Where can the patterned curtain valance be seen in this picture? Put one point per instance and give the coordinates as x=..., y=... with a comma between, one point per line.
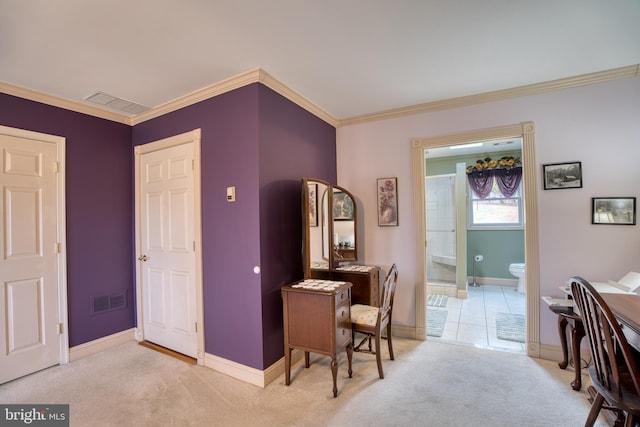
x=507, y=172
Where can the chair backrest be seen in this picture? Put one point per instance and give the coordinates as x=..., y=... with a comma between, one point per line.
x=389, y=290
x=612, y=357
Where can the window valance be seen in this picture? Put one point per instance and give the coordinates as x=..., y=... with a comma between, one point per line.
x=507, y=172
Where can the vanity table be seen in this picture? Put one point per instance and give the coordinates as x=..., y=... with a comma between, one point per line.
x=317, y=318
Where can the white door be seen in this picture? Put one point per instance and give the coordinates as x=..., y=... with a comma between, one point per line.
x=29, y=276
x=167, y=248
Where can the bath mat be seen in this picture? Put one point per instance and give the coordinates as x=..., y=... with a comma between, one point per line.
x=436, y=320
x=510, y=327
x=435, y=300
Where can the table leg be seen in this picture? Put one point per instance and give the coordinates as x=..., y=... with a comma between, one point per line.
x=306, y=359
x=350, y=358
x=562, y=330
x=287, y=365
x=334, y=372
x=577, y=333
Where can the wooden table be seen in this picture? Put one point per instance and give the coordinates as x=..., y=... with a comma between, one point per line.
x=318, y=321
x=626, y=308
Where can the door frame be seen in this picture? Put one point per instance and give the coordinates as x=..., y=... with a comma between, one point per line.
x=61, y=230
x=525, y=131
x=192, y=137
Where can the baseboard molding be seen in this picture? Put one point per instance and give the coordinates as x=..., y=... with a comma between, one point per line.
x=248, y=374
x=403, y=331
x=496, y=281
x=550, y=352
x=101, y=344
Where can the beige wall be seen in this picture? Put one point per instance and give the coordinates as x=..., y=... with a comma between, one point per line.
x=598, y=125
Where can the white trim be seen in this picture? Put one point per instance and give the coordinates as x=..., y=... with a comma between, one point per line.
x=193, y=137
x=248, y=374
x=526, y=132
x=259, y=75
x=61, y=233
x=101, y=344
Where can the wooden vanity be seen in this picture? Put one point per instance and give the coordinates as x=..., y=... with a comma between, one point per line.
x=317, y=319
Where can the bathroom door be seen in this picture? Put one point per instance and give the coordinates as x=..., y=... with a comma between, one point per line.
x=441, y=229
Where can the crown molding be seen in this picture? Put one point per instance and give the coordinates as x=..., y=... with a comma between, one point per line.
x=498, y=95
x=67, y=104
x=282, y=89
x=258, y=75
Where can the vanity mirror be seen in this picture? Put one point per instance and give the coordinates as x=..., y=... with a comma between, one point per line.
x=330, y=246
x=329, y=226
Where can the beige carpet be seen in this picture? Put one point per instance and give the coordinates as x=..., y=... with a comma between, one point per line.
x=429, y=384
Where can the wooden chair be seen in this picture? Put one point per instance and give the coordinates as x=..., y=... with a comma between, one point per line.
x=371, y=321
x=614, y=372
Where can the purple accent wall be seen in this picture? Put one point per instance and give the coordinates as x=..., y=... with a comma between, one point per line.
x=263, y=144
x=293, y=144
x=253, y=139
x=99, y=210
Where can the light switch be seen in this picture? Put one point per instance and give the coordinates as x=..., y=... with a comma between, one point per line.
x=231, y=194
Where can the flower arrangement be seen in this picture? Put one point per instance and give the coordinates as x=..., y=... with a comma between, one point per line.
x=506, y=162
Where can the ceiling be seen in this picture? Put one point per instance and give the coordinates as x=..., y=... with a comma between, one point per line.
x=350, y=58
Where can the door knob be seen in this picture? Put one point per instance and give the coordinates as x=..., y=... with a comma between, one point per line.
x=143, y=258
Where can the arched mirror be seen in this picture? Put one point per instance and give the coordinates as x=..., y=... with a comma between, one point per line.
x=329, y=227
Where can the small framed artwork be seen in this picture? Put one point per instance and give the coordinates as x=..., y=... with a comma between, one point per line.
x=559, y=176
x=613, y=210
x=313, y=204
x=387, y=201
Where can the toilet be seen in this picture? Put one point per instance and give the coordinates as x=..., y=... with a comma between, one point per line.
x=518, y=270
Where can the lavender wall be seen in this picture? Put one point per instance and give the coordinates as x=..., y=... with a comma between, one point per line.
x=293, y=144
x=261, y=143
x=99, y=205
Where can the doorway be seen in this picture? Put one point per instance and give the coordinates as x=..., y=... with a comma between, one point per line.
x=168, y=244
x=526, y=132
x=483, y=309
x=33, y=297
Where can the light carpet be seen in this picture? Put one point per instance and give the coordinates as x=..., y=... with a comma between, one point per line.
x=428, y=384
x=437, y=300
x=510, y=327
x=436, y=321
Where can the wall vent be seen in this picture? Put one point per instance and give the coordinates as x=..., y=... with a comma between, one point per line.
x=106, y=303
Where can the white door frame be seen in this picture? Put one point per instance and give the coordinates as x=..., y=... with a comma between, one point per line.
x=61, y=231
x=192, y=137
x=525, y=131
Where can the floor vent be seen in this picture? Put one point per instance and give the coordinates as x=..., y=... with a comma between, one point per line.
x=105, y=303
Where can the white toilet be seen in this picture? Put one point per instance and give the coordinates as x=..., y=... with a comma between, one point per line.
x=518, y=270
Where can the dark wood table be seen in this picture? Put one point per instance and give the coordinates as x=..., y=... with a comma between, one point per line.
x=626, y=308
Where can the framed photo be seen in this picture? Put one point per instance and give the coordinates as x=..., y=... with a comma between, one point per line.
x=387, y=201
x=313, y=204
x=559, y=176
x=342, y=207
x=613, y=210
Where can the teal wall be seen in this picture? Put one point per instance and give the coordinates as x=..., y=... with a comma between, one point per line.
x=498, y=247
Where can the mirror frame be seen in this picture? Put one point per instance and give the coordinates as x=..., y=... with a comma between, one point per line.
x=333, y=260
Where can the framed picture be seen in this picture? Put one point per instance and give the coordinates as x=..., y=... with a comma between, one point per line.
x=559, y=176
x=613, y=210
x=313, y=204
x=387, y=201
x=342, y=207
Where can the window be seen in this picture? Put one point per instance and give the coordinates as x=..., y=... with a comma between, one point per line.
x=496, y=210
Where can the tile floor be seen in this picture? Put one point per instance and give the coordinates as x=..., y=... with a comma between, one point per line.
x=471, y=321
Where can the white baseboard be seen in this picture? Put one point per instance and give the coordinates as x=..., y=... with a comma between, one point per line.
x=248, y=374
x=101, y=344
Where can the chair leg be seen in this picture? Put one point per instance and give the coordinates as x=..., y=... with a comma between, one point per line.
x=389, y=341
x=598, y=400
x=378, y=358
x=631, y=420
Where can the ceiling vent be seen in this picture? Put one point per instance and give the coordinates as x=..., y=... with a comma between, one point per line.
x=115, y=103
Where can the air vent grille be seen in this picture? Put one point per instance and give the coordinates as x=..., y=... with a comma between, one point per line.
x=116, y=103
x=106, y=303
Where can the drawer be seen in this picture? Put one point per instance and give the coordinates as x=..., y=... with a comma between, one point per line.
x=342, y=297
x=343, y=325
